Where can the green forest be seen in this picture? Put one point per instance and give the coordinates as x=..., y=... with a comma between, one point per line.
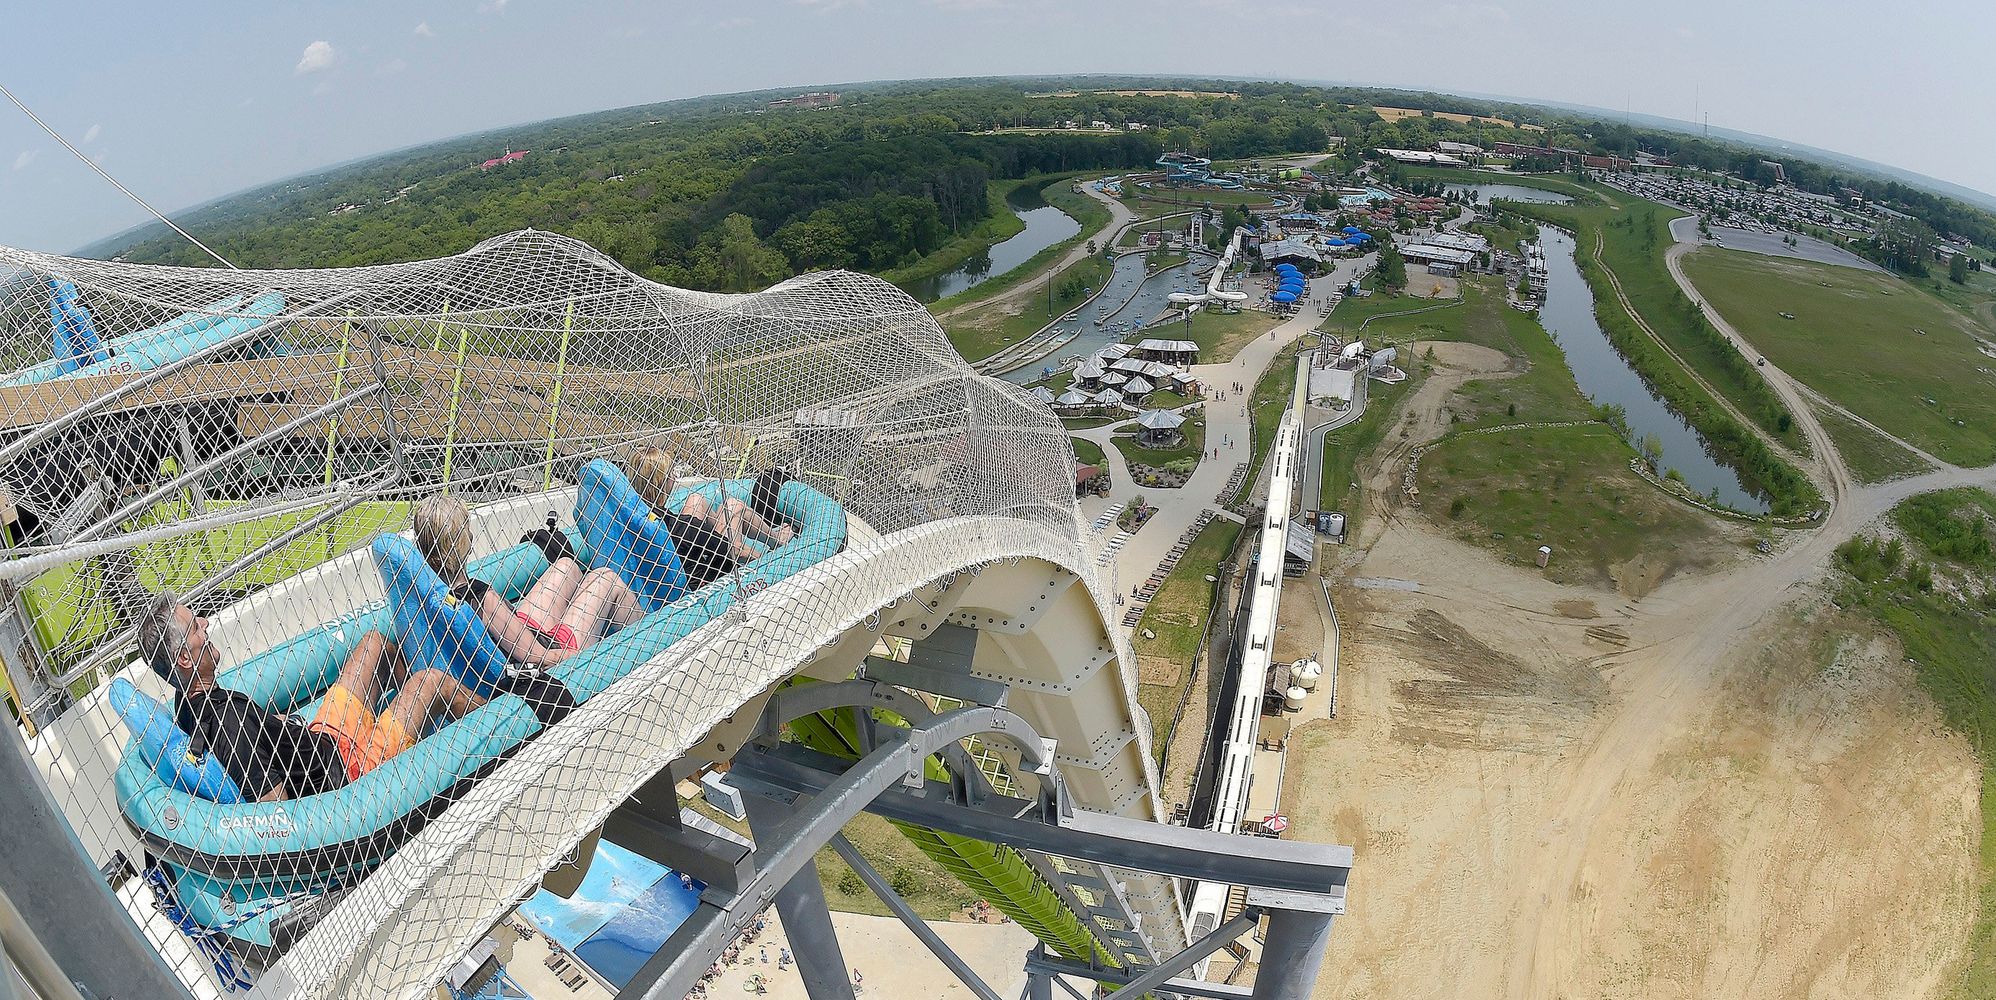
x=730, y=194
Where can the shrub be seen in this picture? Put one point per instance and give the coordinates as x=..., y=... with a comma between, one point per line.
x=850, y=884
x=1457, y=506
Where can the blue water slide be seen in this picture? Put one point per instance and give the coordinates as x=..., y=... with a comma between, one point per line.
x=78, y=351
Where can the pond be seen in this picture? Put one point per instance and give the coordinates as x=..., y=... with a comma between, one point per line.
x=1045, y=226
x=1118, y=320
x=1605, y=378
x=1515, y=192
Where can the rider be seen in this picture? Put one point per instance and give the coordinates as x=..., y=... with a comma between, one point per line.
x=711, y=540
x=272, y=756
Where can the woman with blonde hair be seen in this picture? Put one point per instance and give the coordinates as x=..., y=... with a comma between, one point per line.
x=711, y=540
x=565, y=611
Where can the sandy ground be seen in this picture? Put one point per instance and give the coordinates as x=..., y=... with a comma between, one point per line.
x=1747, y=798
x=892, y=963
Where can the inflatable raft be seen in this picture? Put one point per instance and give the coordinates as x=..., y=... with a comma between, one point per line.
x=79, y=351
x=262, y=873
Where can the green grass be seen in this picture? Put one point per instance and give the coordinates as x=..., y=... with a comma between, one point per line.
x=1544, y=182
x=1854, y=340
x=930, y=889
x=1192, y=197
x=1087, y=452
x=1567, y=487
x=1271, y=396
x=1179, y=611
x=981, y=332
x=1220, y=336
x=1952, y=526
x=1346, y=445
x=1869, y=456
x=1544, y=392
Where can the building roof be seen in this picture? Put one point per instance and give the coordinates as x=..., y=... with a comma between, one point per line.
x=1108, y=397
x=1430, y=252
x=1087, y=370
x=1459, y=241
x=1294, y=246
x=1298, y=542
x=1132, y=365
x=1138, y=386
x=1114, y=378
x=1169, y=346
x=1159, y=420
x=1042, y=393
x=1073, y=397
x=1114, y=351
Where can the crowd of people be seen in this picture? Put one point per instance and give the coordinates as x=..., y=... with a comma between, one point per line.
x=273, y=756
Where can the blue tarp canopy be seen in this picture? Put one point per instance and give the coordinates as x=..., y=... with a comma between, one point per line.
x=1284, y=296
x=1352, y=229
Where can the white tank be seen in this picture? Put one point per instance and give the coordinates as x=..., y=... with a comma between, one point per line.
x=1353, y=349
x=1293, y=698
x=1386, y=357
x=1307, y=673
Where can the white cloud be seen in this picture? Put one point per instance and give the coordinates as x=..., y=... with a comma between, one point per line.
x=27, y=156
x=493, y=6
x=392, y=67
x=318, y=56
x=423, y=28
x=90, y=135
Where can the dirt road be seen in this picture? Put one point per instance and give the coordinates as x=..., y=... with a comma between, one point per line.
x=1725, y=788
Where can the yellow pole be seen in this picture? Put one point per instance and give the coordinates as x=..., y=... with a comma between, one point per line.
x=339, y=382
x=456, y=387
x=554, y=401
x=437, y=344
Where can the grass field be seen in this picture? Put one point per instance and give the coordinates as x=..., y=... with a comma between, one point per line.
x=928, y=887
x=1177, y=616
x=1087, y=452
x=1567, y=487
x=1870, y=457
x=978, y=334
x=1346, y=445
x=1219, y=335
x=1856, y=339
x=1191, y=197
x=1395, y=114
x=1951, y=641
x=1270, y=398
x=1544, y=182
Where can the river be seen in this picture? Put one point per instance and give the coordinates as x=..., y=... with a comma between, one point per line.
x=1605, y=378
x=1045, y=226
x=1118, y=320
x=1515, y=192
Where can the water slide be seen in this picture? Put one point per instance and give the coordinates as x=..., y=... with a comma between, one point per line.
x=1213, y=292
x=963, y=544
x=78, y=351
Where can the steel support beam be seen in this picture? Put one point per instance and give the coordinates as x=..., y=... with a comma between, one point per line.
x=1163, y=972
x=1291, y=954
x=50, y=894
x=1311, y=876
x=782, y=852
x=1039, y=963
x=926, y=934
x=807, y=921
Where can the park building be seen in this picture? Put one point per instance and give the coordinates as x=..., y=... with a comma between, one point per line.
x=1430, y=253
x=1171, y=352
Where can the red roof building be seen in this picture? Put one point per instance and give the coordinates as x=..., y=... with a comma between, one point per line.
x=500, y=161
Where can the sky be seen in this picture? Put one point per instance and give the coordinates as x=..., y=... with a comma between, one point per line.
x=185, y=103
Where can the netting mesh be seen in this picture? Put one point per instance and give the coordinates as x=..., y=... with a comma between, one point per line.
x=457, y=552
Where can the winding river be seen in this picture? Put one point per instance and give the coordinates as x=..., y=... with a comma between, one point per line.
x=1045, y=226
x=1605, y=378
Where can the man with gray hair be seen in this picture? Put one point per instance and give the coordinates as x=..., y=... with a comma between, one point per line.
x=272, y=756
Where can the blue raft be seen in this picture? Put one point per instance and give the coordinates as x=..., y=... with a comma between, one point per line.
x=260, y=872
x=79, y=352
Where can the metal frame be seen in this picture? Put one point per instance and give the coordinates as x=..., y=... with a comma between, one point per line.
x=802, y=798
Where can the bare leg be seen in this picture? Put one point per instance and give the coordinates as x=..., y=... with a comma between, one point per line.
x=730, y=529
x=374, y=662
x=754, y=526
x=552, y=593
x=602, y=598
x=425, y=694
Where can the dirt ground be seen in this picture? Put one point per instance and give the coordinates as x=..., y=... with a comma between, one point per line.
x=1720, y=788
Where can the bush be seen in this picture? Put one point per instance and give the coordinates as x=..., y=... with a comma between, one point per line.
x=850, y=883
x=907, y=882
x=1457, y=506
